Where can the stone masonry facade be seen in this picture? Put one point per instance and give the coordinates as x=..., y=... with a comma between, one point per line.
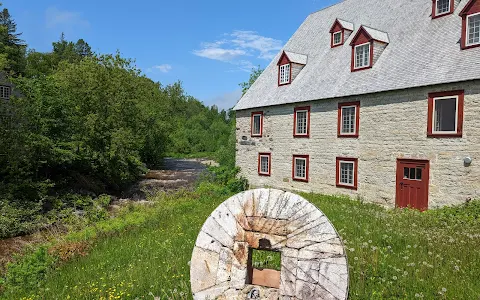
x=393, y=125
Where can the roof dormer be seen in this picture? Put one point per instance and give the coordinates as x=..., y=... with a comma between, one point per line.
x=340, y=31
x=367, y=46
x=289, y=66
x=470, y=25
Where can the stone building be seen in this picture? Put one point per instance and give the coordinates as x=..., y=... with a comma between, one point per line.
x=371, y=99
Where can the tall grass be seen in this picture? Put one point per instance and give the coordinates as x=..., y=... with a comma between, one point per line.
x=393, y=254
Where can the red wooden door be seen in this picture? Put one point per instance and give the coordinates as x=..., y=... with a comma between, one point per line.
x=412, y=184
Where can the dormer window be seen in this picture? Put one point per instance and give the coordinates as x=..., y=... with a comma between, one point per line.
x=289, y=66
x=471, y=25
x=285, y=74
x=340, y=31
x=337, y=38
x=362, y=56
x=368, y=45
x=442, y=8
x=473, y=30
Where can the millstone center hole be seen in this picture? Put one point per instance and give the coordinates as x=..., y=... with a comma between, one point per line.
x=264, y=268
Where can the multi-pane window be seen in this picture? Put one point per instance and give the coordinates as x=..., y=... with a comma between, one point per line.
x=4, y=92
x=257, y=126
x=347, y=172
x=412, y=173
x=445, y=115
x=302, y=122
x=337, y=38
x=443, y=7
x=362, y=56
x=285, y=74
x=264, y=164
x=473, y=29
x=300, y=167
x=348, y=119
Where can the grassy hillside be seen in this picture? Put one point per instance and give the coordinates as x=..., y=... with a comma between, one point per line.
x=145, y=252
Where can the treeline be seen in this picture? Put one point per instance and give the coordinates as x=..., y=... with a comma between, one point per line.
x=78, y=122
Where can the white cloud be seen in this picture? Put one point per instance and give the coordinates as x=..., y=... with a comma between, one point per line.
x=235, y=47
x=66, y=19
x=225, y=101
x=267, y=47
x=220, y=53
x=165, y=68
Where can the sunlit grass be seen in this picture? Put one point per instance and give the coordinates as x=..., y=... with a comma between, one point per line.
x=392, y=254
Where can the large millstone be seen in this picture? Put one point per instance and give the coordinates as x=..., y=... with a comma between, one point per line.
x=313, y=259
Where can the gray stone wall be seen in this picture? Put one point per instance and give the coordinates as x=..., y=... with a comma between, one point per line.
x=392, y=125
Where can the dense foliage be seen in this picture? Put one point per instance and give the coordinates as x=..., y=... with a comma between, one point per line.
x=85, y=123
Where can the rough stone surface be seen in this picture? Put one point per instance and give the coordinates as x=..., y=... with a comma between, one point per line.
x=313, y=259
x=402, y=134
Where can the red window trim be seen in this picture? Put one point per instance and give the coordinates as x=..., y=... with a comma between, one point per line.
x=342, y=41
x=355, y=175
x=307, y=166
x=461, y=95
x=261, y=124
x=463, y=40
x=353, y=58
x=434, y=9
x=269, y=164
x=295, y=134
x=357, y=119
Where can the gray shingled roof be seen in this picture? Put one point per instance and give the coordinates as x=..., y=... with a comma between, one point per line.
x=421, y=52
x=376, y=34
x=297, y=58
x=346, y=25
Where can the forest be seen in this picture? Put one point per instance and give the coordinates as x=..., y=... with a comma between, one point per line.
x=80, y=124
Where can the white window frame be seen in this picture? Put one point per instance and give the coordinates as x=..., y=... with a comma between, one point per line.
x=354, y=175
x=286, y=77
x=443, y=13
x=341, y=35
x=468, y=31
x=306, y=125
x=7, y=90
x=253, y=124
x=354, y=120
x=434, y=131
x=369, y=63
x=295, y=168
x=268, y=166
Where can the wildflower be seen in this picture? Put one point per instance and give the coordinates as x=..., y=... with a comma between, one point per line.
x=457, y=268
x=352, y=249
x=394, y=277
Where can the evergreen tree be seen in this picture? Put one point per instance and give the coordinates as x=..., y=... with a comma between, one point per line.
x=12, y=48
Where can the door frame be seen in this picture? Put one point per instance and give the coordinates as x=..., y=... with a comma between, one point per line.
x=399, y=176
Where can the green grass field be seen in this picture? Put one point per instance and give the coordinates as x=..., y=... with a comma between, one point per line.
x=145, y=253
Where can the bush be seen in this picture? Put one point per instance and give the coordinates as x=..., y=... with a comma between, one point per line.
x=29, y=271
x=227, y=177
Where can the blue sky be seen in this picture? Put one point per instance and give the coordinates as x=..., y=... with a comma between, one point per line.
x=210, y=46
